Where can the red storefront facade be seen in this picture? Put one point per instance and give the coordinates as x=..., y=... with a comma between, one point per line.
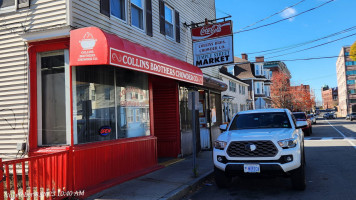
x=111, y=103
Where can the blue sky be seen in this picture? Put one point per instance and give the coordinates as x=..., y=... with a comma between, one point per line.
x=326, y=20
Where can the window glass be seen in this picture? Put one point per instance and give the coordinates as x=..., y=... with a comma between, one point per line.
x=118, y=9
x=95, y=114
x=260, y=120
x=107, y=110
x=169, y=21
x=132, y=104
x=137, y=13
x=350, y=82
x=137, y=3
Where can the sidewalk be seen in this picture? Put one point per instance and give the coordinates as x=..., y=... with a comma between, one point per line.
x=171, y=182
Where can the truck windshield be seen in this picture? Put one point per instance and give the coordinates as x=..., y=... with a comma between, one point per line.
x=260, y=121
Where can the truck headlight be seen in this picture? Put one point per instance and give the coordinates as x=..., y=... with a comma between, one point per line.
x=220, y=145
x=289, y=143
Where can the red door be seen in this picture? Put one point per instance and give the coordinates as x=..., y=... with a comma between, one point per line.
x=166, y=116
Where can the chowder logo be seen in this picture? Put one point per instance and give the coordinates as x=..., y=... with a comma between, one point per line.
x=88, y=41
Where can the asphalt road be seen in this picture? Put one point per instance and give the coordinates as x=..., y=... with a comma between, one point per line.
x=330, y=170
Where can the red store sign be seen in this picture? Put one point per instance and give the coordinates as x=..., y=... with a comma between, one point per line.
x=92, y=46
x=212, y=31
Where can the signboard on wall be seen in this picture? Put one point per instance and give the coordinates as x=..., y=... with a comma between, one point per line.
x=213, y=44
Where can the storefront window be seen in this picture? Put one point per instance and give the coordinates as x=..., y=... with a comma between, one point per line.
x=106, y=109
x=132, y=98
x=95, y=113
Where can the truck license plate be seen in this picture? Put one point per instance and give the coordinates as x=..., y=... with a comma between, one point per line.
x=251, y=168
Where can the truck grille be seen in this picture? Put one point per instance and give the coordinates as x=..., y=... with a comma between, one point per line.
x=263, y=148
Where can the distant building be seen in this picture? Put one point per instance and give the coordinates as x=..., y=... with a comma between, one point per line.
x=257, y=77
x=236, y=98
x=329, y=97
x=346, y=75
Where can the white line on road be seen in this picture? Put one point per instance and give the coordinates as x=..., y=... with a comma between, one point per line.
x=347, y=139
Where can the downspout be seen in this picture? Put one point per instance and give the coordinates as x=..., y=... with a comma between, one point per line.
x=253, y=95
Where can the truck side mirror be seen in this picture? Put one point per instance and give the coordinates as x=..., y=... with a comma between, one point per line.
x=223, y=127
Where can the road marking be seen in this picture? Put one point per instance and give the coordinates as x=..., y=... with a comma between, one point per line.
x=346, y=138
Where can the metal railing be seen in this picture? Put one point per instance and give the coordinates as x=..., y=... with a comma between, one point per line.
x=36, y=177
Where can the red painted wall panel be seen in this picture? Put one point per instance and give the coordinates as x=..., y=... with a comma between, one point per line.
x=166, y=117
x=97, y=163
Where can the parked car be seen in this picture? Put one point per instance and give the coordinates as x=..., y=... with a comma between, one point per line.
x=261, y=142
x=312, y=118
x=329, y=116
x=347, y=117
x=353, y=116
x=301, y=116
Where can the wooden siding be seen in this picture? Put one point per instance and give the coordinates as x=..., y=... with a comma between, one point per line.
x=14, y=99
x=87, y=13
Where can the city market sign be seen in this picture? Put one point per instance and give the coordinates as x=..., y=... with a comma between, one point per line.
x=213, y=52
x=213, y=44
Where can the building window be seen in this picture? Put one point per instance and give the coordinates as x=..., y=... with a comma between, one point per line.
x=10, y=5
x=351, y=72
x=352, y=91
x=347, y=53
x=116, y=106
x=230, y=69
x=350, y=82
x=169, y=21
x=349, y=63
x=258, y=70
x=259, y=88
x=137, y=13
x=118, y=9
x=168, y=14
x=232, y=86
x=243, y=89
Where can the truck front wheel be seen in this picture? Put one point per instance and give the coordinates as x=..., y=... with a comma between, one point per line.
x=221, y=179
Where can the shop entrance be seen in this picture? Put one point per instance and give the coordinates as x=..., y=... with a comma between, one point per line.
x=51, y=98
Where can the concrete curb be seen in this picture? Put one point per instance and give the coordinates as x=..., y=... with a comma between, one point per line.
x=180, y=192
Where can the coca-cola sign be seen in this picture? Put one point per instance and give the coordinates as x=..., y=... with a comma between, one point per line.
x=212, y=31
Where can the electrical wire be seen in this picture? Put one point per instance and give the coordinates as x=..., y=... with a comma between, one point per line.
x=313, y=46
x=258, y=27
x=304, y=59
x=276, y=50
x=271, y=15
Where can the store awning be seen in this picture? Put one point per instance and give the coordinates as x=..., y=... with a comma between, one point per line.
x=92, y=46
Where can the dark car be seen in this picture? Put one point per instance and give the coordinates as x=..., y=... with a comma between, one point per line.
x=353, y=116
x=301, y=116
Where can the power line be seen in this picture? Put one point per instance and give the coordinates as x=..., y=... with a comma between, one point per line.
x=313, y=46
x=305, y=59
x=276, y=50
x=272, y=15
x=285, y=18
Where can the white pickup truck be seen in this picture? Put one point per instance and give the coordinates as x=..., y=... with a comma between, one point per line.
x=261, y=142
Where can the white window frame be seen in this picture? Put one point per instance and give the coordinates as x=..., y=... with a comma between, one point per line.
x=143, y=15
x=9, y=8
x=258, y=68
x=232, y=86
x=126, y=13
x=260, y=86
x=173, y=21
x=67, y=94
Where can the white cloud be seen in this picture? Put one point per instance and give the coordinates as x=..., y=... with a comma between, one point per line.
x=288, y=13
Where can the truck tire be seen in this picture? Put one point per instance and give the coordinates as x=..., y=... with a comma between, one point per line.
x=221, y=179
x=298, y=176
